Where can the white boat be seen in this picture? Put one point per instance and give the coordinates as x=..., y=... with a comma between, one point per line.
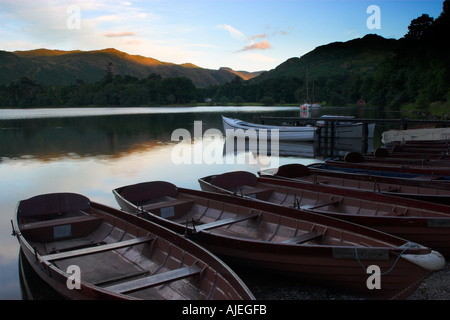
x=346, y=129
x=285, y=133
x=416, y=134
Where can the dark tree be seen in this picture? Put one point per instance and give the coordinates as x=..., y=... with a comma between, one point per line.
x=419, y=27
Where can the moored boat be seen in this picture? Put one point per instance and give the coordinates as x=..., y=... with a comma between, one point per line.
x=422, y=222
x=414, y=189
x=377, y=158
x=282, y=239
x=283, y=133
x=422, y=134
x=85, y=250
x=345, y=129
x=391, y=170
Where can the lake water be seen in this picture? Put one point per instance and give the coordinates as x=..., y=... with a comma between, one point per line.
x=92, y=151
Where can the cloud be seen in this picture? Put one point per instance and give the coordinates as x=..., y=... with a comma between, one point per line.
x=233, y=32
x=263, y=45
x=263, y=35
x=120, y=34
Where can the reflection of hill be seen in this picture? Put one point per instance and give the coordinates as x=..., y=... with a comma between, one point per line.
x=85, y=136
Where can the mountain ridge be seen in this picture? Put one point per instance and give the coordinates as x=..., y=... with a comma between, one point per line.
x=59, y=67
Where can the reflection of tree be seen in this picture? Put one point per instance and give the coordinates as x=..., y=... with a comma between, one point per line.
x=97, y=135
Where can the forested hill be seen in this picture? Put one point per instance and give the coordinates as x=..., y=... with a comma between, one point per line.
x=56, y=67
x=358, y=56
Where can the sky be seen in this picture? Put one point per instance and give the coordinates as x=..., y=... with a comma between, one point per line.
x=248, y=35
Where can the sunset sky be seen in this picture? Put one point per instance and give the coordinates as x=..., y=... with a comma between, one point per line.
x=249, y=35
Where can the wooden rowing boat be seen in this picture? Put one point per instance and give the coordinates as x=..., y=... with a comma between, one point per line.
x=378, y=158
x=116, y=255
x=243, y=129
x=421, y=134
x=262, y=235
x=392, y=170
x=441, y=172
x=409, y=188
x=418, y=221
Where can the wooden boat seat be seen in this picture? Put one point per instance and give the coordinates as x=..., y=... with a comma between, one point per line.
x=58, y=222
x=100, y=248
x=145, y=191
x=258, y=192
x=171, y=208
x=155, y=280
x=223, y=222
x=71, y=227
x=293, y=170
x=318, y=205
x=230, y=180
x=309, y=236
x=51, y=204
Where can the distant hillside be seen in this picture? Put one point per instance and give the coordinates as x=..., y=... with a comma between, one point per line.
x=56, y=67
x=359, y=56
x=243, y=74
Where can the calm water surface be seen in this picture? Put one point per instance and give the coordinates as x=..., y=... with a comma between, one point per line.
x=92, y=151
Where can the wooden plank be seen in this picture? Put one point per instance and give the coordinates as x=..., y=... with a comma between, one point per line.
x=101, y=248
x=223, y=222
x=165, y=204
x=155, y=280
x=315, y=206
x=58, y=222
x=309, y=236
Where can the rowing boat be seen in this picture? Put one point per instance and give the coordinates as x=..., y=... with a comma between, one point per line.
x=409, y=188
x=240, y=128
x=280, y=239
x=85, y=250
x=422, y=222
x=391, y=170
x=378, y=158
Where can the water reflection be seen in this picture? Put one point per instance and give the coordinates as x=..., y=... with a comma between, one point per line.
x=32, y=287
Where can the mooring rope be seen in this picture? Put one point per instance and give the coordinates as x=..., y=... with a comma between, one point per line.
x=390, y=269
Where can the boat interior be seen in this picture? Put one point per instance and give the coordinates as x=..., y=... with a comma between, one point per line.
x=246, y=184
x=202, y=214
x=115, y=255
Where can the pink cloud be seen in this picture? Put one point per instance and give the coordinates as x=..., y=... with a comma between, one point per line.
x=258, y=46
x=119, y=34
x=258, y=36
